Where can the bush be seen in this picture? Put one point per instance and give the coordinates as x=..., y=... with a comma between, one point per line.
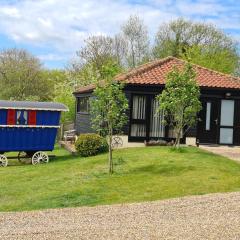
x=91, y=144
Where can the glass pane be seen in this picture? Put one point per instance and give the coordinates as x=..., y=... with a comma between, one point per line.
x=226, y=135
x=208, y=116
x=227, y=112
x=83, y=104
x=157, y=125
x=22, y=117
x=138, y=130
x=138, y=110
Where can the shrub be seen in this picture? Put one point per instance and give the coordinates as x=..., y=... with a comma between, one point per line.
x=91, y=144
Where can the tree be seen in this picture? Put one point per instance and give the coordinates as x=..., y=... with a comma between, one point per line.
x=108, y=108
x=22, y=78
x=197, y=42
x=63, y=89
x=136, y=34
x=98, y=52
x=220, y=60
x=80, y=74
x=63, y=94
x=180, y=101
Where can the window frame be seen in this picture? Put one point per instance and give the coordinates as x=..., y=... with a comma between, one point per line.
x=25, y=113
x=87, y=107
x=138, y=121
x=208, y=116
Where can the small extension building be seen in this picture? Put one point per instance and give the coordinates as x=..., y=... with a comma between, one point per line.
x=218, y=121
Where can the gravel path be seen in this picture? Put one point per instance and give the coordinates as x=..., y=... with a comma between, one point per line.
x=230, y=152
x=214, y=216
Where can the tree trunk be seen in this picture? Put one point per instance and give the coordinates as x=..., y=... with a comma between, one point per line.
x=177, y=142
x=110, y=160
x=133, y=55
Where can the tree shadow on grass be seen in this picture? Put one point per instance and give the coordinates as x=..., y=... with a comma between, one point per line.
x=63, y=158
x=166, y=170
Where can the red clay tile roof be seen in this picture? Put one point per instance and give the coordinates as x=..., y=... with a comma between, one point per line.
x=155, y=73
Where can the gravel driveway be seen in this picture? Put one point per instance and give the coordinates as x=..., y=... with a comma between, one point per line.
x=214, y=216
x=229, y=152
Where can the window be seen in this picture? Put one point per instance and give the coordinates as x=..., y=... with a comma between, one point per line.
x=208, y=116
x=157, y=128
x=138, y=126
x=83, y=105
x=227, y=113
x=226, y=135
x=139, y=105
x=22, y=117
x=227, y=122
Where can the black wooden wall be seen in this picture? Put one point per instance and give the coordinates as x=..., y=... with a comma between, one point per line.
x=83, y=120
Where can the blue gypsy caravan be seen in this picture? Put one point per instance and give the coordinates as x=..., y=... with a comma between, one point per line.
x=28, y=128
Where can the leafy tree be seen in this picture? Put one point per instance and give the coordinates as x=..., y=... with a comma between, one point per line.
x=63, y=94
x=63, y=90
x=201, y=43
x=22, y=78
x=98, y=52
x=220, y=60
x=180, y=100
x=136, y=34
x=108, y=108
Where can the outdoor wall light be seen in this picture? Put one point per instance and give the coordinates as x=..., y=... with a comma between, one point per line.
x=227, y=95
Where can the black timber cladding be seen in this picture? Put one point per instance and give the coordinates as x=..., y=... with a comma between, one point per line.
x=83, y=120
x=150, y=90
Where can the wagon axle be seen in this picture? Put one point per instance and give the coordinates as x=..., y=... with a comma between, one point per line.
x=36, y=158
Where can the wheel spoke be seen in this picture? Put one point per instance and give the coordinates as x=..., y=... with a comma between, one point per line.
x=3, y=161
x=39, y=157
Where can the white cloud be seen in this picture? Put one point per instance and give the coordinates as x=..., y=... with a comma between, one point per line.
x=45, y=22
x=10, y=12
x=202, y=8
x=51, y=57
x=63, y=24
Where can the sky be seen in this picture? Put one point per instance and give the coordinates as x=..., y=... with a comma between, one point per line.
x=54, y=30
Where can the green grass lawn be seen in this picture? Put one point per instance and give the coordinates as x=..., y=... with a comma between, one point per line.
x=141, y=174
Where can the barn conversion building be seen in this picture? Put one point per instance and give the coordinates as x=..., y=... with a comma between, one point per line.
x=218, y=121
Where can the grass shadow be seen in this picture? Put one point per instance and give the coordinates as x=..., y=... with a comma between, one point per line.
x=166, y=170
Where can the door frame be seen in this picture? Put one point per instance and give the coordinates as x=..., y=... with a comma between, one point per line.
x=210, y=136
x=227, y=127
x=218, y=125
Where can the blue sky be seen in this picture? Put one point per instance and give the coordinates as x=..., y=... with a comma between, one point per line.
x=54, y=30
